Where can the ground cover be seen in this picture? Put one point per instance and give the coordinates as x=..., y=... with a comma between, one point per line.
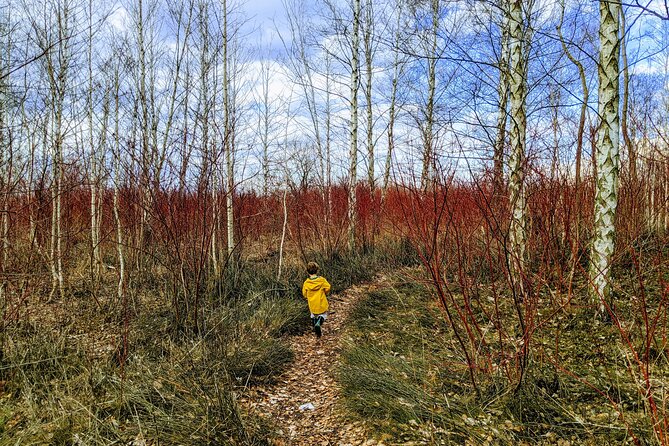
x=403, y=373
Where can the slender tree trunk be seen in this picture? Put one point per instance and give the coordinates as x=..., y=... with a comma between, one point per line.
x=328, y=141
x=117, y=179
x=353, y=154
x=5, y=168
x=428, y=136
x=228, y=137
x=283, y=231
x=369, y=56
x=265, y=125
x=502, y=112
x=631, y=149
x=94, y=166
x=584, y=103
x=554, y=99
x=517, y=88
x=209, y=186
x=56, y=194
x=186, y=149
x=328, y=156
x=608, y=158
x=57, y=64
x=145, y=169
x=391, y=111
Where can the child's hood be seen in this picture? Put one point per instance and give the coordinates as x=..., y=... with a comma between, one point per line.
x=315, y=284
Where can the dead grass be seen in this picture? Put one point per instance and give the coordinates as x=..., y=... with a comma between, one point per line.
x=73, y=372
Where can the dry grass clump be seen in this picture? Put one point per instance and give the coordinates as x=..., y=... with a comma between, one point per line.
x=54, y=394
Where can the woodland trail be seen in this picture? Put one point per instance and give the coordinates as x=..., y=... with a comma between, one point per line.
x=310, y=379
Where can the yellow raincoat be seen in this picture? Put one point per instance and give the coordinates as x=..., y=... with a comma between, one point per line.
x=315, y=291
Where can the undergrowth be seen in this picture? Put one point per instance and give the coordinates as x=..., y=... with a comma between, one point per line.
x=156, y=382
x=401, y=371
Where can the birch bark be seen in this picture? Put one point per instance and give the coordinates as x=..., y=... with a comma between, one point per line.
x=517, y=165
x=608, y=157
x=353, y=153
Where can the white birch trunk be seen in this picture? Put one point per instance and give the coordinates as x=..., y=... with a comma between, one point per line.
x=120, y=292
x=629, y=145
x=517, y=89
x=94, y=178
x=369, y=60
x=228, y=136
x=353, y=153
x=608, y=158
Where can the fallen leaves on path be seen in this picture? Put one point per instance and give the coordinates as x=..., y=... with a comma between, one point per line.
x=311, y=381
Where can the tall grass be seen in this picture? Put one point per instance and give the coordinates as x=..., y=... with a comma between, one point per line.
x=158, y=381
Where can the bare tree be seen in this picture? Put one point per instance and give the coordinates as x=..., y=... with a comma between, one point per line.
x=624, y=112
x=518, y=39
x=97, y=153
x=116, y=156
x=353, y=153
x=428, y=125
x=398, y=68
x=608, y=158
x=228, y=137
x=503, y=97
x=145, y=94
x=268, y=109
x=298, y=57
x=369, y=49
x=54, y=39
x=5, y=155
x=584, y=102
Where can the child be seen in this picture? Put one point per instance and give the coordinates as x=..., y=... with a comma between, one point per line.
x=315, y=289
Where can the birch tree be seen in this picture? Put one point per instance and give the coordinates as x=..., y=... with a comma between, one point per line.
x=353, y=153
x=428, y=124
x=54, y=39
x=398, y=68
x=584, y=100
x=116, y=156
x=503, y=97
x=518, y=40
x=368, y=45
x=5, y=157
x=608, y=157
x=142, y=91
x=624, y=112
x=228, y=137
x=96, y=156
x=204, y=118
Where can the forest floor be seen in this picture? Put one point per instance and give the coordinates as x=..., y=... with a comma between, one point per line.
x=311, y=382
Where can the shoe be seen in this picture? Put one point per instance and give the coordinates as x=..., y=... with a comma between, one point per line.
x=317, y=326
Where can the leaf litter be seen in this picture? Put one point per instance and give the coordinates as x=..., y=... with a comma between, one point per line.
x=310, y=382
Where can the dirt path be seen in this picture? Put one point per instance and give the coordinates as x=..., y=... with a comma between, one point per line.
x=311, y=380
